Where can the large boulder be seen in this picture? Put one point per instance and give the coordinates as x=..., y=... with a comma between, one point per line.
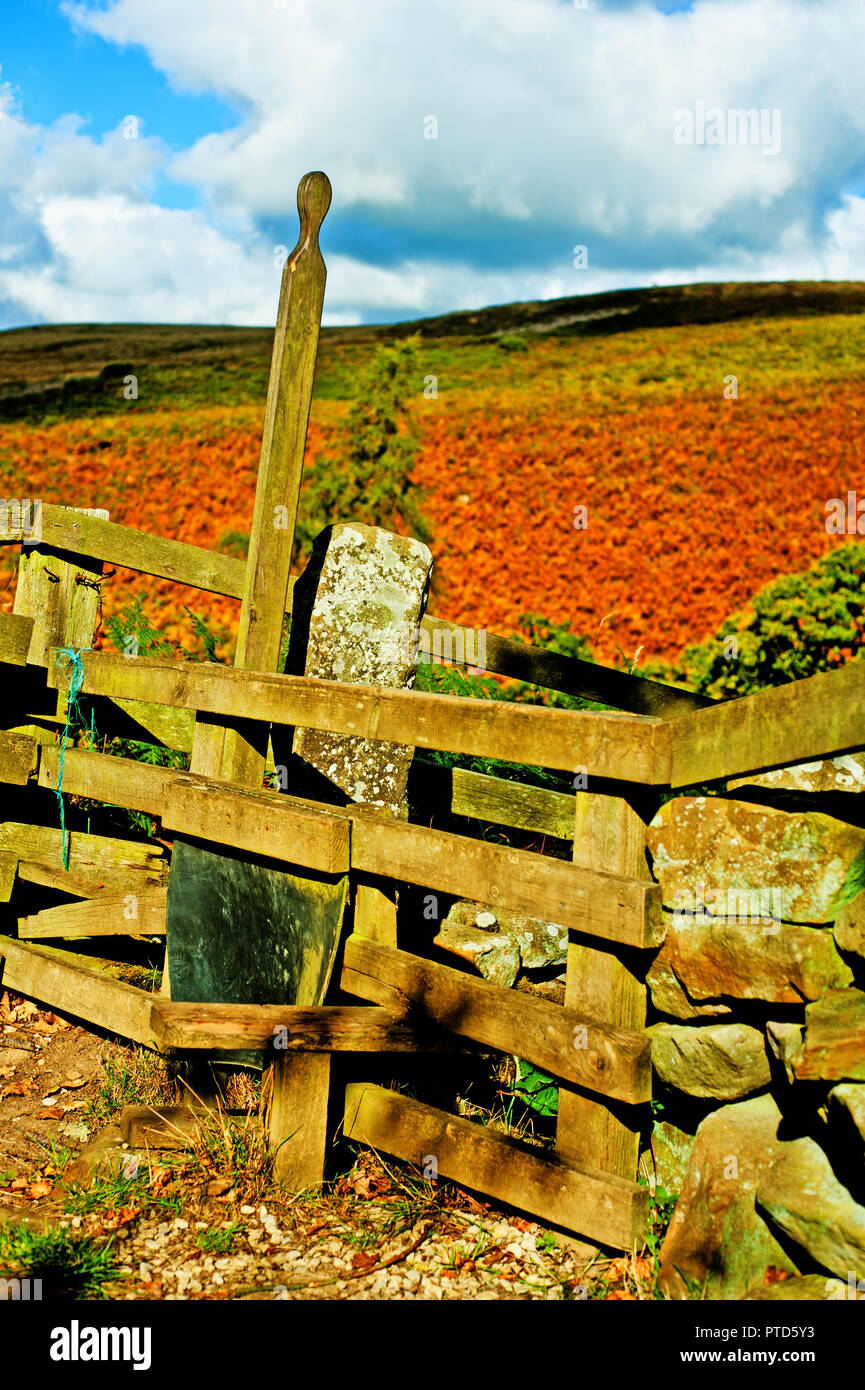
x=719, y=1061
x=356, y=606
x=717, y=1245
x=804, y=1199
x=711, y=958
x=752, y=863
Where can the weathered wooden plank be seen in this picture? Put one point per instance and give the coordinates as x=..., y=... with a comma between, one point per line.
x=515, y=804
x=60, y=594
x=66, y=881
x=280, y=468
x=292, y=1028
x=118, y=865
x=297, y=1118
x=567, y=1044
x=117, y=781
x=608, y=832
x=281, y=827
x=520, y=660
x=599, y=1206
x=815, y=718
x=8, y=871
x=599, y=904
x=623, y=747
x=109, y=914
x=148, y=723
x=16, y=631
x=83, y=533
x=72, y=985
x=18, y=758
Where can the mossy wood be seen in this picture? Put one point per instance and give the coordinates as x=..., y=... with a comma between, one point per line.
x=598, y=1205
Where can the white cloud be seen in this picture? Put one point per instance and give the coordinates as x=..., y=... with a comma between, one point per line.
x=555, y=127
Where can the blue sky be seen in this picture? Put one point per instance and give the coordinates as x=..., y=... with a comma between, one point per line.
x=556, y=124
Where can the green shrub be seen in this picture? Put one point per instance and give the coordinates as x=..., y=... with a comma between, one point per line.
x=797, y=626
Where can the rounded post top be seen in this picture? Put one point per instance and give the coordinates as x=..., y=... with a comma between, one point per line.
x=313, y=200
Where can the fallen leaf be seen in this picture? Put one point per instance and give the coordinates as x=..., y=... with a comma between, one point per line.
x=229, y=1196
x=620, y=1296
x=18, y=1185
x=40, y=1189
x=218, y=1187
x=74, y=1083
x=54, y=1112
x=361, y=1260
x=17, y=1088
x=119, y=1217
x=522, y=1225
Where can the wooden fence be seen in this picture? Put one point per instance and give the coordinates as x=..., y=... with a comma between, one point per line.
x=595, y=1045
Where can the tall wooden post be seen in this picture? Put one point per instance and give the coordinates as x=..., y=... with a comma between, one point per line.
x=299, y=1084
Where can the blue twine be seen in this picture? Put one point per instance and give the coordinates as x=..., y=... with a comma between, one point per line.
x=64, y=655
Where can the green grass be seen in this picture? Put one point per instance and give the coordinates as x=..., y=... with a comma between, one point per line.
x=70, y=1266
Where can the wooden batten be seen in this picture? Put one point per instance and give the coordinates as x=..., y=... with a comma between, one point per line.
x=71, y=530
x=599, y=904
x=18, y=758
x=109, y=914
x=820, y=717
x=16, y=631
x=118, y=781
x=618, y=746
x=292, y=1028
x=567, y=1044
x=279, y=827
x=76, y=985
x=101, y=861
x=599, y=1206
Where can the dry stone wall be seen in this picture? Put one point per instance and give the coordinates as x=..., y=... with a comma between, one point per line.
x=757, y=1026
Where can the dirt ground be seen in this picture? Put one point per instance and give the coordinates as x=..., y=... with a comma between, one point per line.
x=207, y=1224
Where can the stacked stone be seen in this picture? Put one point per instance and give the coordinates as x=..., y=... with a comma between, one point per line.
x=758, y=1038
